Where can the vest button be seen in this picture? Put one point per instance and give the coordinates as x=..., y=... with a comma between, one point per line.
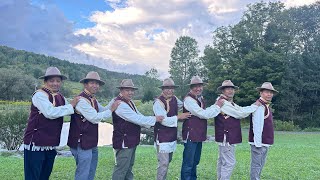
x=125, y=134
x=80, y=134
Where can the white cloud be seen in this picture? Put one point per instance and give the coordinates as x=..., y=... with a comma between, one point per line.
x=145, y=31
x=135, y=36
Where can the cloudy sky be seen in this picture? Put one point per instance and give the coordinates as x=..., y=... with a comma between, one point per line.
x=120, y=35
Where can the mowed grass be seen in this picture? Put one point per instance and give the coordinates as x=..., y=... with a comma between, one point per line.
x=294, y=156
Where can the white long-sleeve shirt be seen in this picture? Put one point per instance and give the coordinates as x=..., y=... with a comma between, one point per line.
x=125, y=112
x=41, y=101
x=192, y=106
x=159, y=110
x=237, y=111
x=90, y=113
x=258, y=123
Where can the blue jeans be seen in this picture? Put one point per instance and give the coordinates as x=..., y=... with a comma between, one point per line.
x=38, y=164
x=86, y=161
x=191, y=158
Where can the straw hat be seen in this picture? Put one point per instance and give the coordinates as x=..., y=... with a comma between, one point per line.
x=127, y=83
x=227, y=83
x=196, y=80
x=168, y=82
x=92, y=75
x=53, y=71
x=267, y=86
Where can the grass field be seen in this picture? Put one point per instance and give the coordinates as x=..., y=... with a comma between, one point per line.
x=294, y=156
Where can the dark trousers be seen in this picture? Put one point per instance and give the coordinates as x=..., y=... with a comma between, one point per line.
x=191, y=158
x=124, y=162
x=38, y=164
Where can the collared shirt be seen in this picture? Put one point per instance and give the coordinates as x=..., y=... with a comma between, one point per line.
x=192, y=106
x=41, y=101
x=90, y=113
x=236, y=111
x=258, y=123
x=125, y=112
x=159, y=110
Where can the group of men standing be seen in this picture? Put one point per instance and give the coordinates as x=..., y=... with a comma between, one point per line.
x=48, y=107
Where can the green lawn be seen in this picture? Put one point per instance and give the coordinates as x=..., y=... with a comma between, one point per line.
x=294, y=156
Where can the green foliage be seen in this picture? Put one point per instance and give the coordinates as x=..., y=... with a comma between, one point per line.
x=145, y=108
x=293, y=156
x=184, y=63
x=150, y=85
x=148, y=96
x=15, y=86
x=12, y=125
x=20, y=69
x=285, y=126
x=273, y=44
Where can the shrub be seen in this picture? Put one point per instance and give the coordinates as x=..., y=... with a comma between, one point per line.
x=12, y=125
x=285, y=126
x=311, y=129
x=146, y=108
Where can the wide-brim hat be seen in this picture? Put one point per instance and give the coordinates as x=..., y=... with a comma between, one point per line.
x=267, y=86
x=225, y=84
x=92, y=75
x=168, y=82
x=126, y=83
x=196, y=80
x=53, y=71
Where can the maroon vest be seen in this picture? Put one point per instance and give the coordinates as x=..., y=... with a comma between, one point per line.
x=267, y=132
x=229, y=126
x=124, y=131
x=194, y=126
x=164, y=133
x=40, y=130
x=83, y=130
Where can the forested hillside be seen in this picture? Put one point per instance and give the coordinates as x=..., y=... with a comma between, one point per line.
x=19, y=71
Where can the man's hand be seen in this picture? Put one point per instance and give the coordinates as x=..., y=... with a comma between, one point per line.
x=115, y=105
x=75, y=101
x=159, y=118
x=258, y=103
x=220, y=102
x=184, y=116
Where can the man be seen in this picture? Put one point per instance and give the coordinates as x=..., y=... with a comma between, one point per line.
x=127, y=122
x=194, y=130
x=42, y=134
x=83, y=132
x=261, y=133
x=165, y=136
x=228, y=129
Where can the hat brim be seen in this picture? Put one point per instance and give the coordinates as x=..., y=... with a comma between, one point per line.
x=88, y=79
x=174, y=86
x=126, y=87
x=62, y=77
x=220, y=88
x=197, y=84
x=260, y=89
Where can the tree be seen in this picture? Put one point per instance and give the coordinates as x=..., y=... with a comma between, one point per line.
x=273, y=44
x=184, y=62
x=15, y=86
x=150, y=85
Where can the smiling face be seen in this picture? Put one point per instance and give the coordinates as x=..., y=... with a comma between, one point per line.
x=127, y=93
x=228, y=92
x=92, y=86
x=266, y=95
x=53, y=83
x=168, y=92
x=196, y=89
